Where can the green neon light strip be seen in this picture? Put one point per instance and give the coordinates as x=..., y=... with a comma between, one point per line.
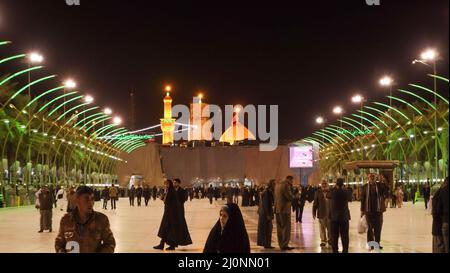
x=115, y=131
x=381, y=112
x=348, y=123
x=375, y=117
x=366, y=119
x=126, y=142
x=70, y=110
x=339, y=132
x=86, y=118
x=97, y=122
x=344, y=132
x=357, y=122
x=102, y=129
x=4, y=42
x=43, y=94
x=438, y=77
x=317, y=141
x=121, y=142
x=28, y=85
x=62, y=104
x=81, y=113
x=106, y=133
x=131, y=149
x=430, y=91
x=419, y=97
x=407, y=103
x=331, y=140
x=336, y=135
x=20, y=73
x=12, y=58
x=396, y=110
x=114, y=139
x=55, y=99
x=127, y=146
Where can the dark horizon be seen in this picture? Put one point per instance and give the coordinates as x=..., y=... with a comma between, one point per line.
x=306, y=58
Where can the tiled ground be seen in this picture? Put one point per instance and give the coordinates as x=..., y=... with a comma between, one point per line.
x=405, y=230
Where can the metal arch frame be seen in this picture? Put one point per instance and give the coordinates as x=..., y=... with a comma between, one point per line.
x=86, y=118
x=56, y=99
x=64, y=103
x=7, y=79
x=78, y=114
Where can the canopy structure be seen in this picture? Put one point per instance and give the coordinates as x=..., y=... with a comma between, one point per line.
x=371, y=164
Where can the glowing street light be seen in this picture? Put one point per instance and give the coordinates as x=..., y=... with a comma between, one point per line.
x=117, y=120
x=35, y=57
x=70, y=84
x=357, y=98
x=88, y=99
x=319, y=120
x=168, y=88
x=107, y=111
x=386, y=81
x=429, y=55
x=337, y=110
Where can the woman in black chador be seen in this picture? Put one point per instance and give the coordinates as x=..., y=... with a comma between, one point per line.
x=229, y=234
x=173, y=229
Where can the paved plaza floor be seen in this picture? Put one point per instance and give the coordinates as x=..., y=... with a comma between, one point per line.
x=405, y=230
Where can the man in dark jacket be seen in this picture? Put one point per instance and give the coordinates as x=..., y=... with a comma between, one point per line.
x=426, y=194
x=443, y=209
x=373, y=207
x=105, y=196
x=302, y=201
x=84, y=229
x=321, y=210
x=339, y=216
x=154, y=192
x=131, y=194
x=45, y=209
x=139, y=195
x=436, y=228
x=181, y=194
x=146, y=193
x=266, y=215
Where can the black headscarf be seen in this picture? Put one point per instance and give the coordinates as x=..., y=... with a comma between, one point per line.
x=233, y=239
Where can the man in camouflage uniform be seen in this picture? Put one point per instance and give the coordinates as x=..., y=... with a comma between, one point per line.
x=86, y=230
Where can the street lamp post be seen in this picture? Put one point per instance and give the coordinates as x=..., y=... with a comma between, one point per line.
x=387, y=81
x=320, y=121
x=68, y=84
x=360, y=99
x=431, y=55
x=33, y=57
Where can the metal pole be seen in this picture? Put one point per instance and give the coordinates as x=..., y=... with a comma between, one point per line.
x=435, y=125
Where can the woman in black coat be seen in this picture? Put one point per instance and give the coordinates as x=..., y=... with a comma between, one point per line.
x=229, y=234
x=173, y=229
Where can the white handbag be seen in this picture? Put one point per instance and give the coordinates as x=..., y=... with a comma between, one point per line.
x=362, y=225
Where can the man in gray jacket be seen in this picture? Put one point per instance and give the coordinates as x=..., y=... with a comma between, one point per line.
x=321, y=211
x=283, y=199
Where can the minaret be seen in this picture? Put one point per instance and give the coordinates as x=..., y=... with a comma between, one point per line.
x=167, y=123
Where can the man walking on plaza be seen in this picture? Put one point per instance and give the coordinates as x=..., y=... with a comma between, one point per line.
x=373, y=207
x=426, y=194
x=113, y=195
x=283, y=199
x=105, y=197
x=86, y=229
x=181, y=194
x=131, y=194
x=321, y=210
x=265, y=211
x=443, y=209
x=45, y=209
x=339, y=216
x=139, y=195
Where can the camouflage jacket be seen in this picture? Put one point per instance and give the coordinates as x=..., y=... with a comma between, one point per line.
x=95, y=236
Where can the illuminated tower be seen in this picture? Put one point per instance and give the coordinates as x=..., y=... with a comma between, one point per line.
x=197, y=121
x=167, y=123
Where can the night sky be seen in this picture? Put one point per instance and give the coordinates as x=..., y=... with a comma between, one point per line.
x=305, y=57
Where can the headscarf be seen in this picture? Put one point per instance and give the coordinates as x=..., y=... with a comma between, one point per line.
x=233, y=238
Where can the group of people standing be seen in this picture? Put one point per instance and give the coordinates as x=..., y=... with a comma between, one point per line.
x=139, y=192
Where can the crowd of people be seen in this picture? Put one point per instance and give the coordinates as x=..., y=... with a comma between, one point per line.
x=276, y=201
